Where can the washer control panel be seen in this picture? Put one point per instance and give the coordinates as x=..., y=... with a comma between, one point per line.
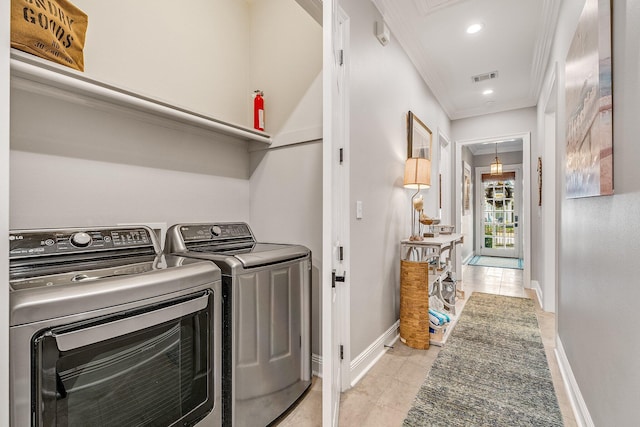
x=49, y=242
x=218, y=231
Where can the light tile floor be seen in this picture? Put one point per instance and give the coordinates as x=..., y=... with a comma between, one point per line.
x=384, y=396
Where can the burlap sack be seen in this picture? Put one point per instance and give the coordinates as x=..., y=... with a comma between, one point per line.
x=51, y=29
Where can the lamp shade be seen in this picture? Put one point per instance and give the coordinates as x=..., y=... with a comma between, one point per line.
x=496, y=167
x=417, y=173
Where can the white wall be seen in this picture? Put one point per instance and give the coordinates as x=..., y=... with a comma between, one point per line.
x=285, y=57
x=207, y=56
x=54, y=191
x=79, y=166
x=505, y=123
x=509, y=158
x=599, y=239
x=67, y=127
x=384, y=86
x=194, y=54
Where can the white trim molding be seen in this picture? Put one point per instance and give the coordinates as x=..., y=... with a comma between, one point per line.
x=468, y=258
x=362, y=363
x=580, y=410
x=535, y=285
x=316, y=365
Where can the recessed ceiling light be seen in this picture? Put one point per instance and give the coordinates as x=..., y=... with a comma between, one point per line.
x=474, y=28
x=487, y=92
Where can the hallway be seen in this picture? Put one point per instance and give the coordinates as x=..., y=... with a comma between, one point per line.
x=384, y=396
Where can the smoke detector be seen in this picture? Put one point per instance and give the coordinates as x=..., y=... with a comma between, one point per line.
x=487, y=76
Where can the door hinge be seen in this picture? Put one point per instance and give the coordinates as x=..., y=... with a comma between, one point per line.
x=340, y=253
x=335, y=278
x=341, y=57
x=341, y=352
x=341, y=155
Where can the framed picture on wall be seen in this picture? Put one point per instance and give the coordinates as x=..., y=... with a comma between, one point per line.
x=419, y=138
x=466, y=188
x=589, y=163
x=539, y=181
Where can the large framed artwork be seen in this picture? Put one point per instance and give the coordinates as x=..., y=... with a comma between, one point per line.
x=589, y=101
x=418, y=138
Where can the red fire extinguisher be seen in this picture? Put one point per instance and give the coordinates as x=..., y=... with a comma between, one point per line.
x=258, y=110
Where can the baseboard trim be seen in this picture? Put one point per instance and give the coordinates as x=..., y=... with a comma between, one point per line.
x=535, y=285
x=316, y=365
x=579, y=406
x=362, y=363
x=468, y=258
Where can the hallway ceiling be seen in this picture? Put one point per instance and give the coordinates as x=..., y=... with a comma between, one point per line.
x=500, y=145
x=515, y=41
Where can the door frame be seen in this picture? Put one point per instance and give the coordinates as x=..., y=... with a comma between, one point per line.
x=445, y=177
x=335, y=209
x=526, y=196
x=479, y=200
x=551, y=199
x=5, y=6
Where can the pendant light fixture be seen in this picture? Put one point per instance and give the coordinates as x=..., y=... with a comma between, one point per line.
x=496, y=166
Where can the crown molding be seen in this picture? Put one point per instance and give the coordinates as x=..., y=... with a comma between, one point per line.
x=405, y=34
x=542, y=49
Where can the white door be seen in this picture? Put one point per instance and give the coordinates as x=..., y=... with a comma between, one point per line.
x=335, y=209
x=5, y=13
x=499, y=200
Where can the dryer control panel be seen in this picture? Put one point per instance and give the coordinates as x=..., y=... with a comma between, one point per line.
x=215, y=232
x=28, y=243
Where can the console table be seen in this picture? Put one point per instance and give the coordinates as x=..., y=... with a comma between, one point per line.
x=424, y=265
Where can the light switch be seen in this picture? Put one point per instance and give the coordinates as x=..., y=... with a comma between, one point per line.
x=359, y=209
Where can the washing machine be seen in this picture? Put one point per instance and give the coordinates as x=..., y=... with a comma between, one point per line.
x=266, y=292
x=106, y=331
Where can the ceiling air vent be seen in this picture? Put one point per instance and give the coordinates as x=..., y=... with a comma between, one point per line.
x=487, y=76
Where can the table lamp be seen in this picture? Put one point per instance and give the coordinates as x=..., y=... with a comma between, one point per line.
x=417, y=175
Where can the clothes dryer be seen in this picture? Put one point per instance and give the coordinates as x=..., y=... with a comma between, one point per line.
x=266, y=290
x=105, y=330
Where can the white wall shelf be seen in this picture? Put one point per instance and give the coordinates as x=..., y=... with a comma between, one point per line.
x=40, y=76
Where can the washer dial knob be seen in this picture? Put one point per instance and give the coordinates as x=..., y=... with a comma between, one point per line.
x=216, y=230
x=81, y=239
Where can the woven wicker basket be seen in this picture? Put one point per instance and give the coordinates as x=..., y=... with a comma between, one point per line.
x=414, y=304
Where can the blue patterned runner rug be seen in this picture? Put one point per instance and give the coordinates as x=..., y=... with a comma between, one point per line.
x=492, y=371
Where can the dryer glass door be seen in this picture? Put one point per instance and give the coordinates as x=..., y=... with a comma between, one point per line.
x=147, y=367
